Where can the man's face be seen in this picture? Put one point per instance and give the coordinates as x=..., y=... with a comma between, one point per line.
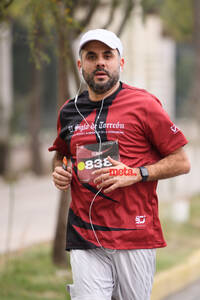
x=100, y=66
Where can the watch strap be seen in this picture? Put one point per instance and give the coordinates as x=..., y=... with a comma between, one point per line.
x=144, y=173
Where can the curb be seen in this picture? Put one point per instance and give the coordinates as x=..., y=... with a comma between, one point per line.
x=176, y=278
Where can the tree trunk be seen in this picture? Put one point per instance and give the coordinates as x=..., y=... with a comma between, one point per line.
x=59, y=254
x=6, y=97
x=36, y=98
x=35, y=120
x=4, y=154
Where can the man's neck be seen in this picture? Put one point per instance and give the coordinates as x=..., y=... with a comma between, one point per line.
x=98, y=97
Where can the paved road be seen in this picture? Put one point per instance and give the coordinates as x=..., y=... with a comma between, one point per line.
x=31, y=205
x=192, y=292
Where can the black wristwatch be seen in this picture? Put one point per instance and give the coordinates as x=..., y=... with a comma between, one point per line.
x=144, y=173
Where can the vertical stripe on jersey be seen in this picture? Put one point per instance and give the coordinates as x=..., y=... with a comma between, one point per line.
x=104, y=114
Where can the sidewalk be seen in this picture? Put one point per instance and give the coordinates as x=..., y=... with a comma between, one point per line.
x=191, y=292
x=177, y=278
x=28, y=212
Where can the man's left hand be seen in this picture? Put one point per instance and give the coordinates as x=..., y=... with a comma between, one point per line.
x=119, y=175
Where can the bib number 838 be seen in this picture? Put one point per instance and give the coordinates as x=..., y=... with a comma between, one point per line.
x=97, y=163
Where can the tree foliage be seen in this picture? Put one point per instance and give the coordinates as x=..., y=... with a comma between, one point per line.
x=177, y=16
x=4, y=4
x=71, y=17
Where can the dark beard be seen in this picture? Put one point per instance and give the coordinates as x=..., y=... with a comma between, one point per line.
x=101, y=88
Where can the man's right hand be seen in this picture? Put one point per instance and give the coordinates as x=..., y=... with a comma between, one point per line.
x=62, y=178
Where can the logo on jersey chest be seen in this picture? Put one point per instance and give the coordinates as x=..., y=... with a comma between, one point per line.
x=90, y=128
x=100, y=125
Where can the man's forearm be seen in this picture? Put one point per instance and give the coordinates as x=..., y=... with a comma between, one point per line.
x=57, y=160
x=172, y=165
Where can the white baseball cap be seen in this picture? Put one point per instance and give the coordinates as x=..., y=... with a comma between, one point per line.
x=105, y=36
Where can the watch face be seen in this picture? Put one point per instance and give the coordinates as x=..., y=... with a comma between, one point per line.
x=144, y=173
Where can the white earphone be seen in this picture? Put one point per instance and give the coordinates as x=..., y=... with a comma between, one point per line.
x=81, y=73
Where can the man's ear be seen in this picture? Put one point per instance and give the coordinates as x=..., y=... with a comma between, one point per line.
x=80, y=69
x=121, y=64
x=79, y=66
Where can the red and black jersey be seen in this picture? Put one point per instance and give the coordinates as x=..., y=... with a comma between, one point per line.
x=126, y=218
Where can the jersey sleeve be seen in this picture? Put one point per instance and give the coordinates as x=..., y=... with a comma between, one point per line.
x=59, y=144
x=160, y=130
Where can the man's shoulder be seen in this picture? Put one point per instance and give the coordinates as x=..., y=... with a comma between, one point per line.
x=139, y=92
x=135, y=91
x=70, y=102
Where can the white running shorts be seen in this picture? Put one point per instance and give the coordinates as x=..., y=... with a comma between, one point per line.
x=100, y=274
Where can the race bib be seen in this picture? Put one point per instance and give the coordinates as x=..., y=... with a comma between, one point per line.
x=94, y=156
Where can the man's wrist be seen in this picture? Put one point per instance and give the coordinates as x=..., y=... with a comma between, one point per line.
x=144, y=173
x=57, y=160
x=139, y=177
